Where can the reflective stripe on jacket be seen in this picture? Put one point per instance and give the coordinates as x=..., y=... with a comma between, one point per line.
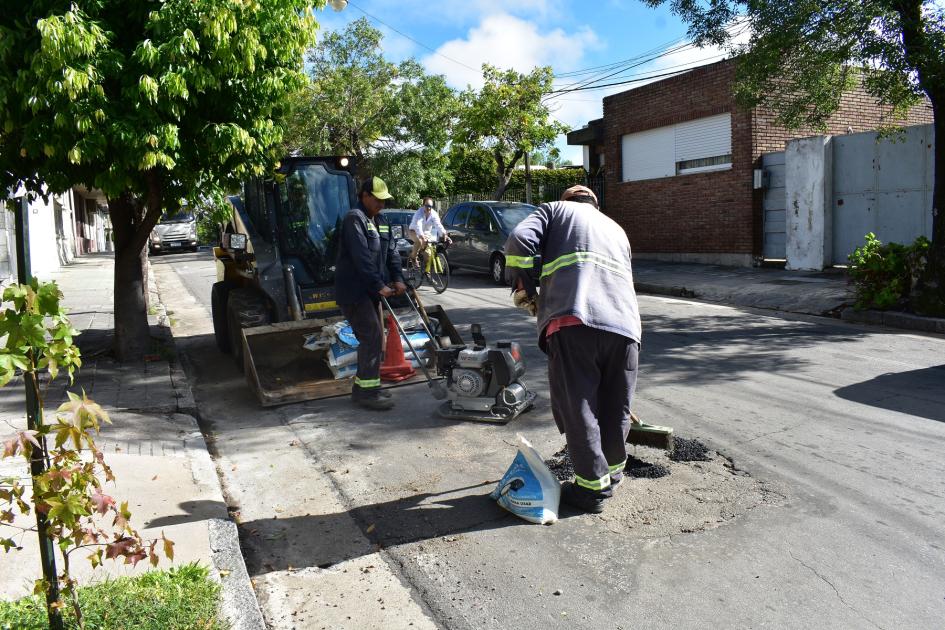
x=585, y=267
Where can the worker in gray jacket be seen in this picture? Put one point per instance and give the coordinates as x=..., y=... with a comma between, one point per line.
x=588, y=325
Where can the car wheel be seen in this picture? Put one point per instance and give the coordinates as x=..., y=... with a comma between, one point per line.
x=245, y=308
x=498, y=269
x=219, y=294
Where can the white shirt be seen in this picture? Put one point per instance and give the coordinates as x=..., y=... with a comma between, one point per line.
x=429, y=227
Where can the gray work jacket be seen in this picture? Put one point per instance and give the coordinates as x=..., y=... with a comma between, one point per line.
x=585, y=267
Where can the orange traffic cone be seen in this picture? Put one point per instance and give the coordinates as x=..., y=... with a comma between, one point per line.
x=395, y=367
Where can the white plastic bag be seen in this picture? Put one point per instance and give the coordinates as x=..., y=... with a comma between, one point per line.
x=528, y=489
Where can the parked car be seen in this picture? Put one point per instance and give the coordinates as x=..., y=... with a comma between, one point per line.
x=174, y=231
x=479, y=230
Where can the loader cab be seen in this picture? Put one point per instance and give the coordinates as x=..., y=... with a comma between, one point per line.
x=312, y=201
x=292, y=219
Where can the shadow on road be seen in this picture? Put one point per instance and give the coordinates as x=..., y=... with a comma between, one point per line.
x=319, y=541
x=725, y=347
x=916, y=392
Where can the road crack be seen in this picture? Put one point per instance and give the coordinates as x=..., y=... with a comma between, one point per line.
x=837, y=592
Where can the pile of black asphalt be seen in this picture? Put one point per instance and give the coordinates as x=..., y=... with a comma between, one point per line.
x=689, y=451
x=563, y=469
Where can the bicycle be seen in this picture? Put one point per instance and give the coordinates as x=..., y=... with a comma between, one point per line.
x=433, y=266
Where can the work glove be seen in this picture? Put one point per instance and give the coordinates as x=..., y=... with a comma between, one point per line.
x=521, y=299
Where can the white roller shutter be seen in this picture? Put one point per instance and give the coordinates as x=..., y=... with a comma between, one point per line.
x=649, y=154
x=704, y=138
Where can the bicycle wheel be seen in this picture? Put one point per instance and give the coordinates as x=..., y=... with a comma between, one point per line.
x=440, y=273
x=413, y=276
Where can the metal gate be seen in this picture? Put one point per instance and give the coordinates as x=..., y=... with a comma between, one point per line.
x=773, y=206
x=881, y=185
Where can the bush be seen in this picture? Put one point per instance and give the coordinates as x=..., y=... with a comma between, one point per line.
x=885, y=275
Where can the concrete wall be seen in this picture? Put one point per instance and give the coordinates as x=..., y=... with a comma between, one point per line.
x=808, y=209
x=838, y=188
x=52, y=242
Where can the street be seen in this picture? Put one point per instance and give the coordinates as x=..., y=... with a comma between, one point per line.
x=826, y=510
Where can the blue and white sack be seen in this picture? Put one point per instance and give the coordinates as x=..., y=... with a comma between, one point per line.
x=528, y=489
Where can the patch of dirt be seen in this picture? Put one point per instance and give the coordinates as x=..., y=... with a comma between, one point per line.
x=692, y=490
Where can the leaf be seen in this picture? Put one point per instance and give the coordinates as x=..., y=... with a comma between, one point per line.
x=120, y=547
x=102, y=502
x=168, y=547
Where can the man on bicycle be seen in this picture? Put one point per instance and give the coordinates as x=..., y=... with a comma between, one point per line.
x=425, y=227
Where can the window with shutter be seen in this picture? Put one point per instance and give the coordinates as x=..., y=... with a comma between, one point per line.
x=694, y=146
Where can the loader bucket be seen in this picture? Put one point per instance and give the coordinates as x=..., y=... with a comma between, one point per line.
x=280, y=371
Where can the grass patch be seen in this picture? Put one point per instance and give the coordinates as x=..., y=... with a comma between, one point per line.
x=181, y=598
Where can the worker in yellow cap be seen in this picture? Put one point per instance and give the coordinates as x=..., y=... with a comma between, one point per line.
x=588, y=325
x=368, y=268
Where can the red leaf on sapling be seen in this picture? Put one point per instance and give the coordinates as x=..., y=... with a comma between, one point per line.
x=102, y=502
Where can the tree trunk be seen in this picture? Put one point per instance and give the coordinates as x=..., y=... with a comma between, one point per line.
x=500, y=189
x=504, y=171
x=931, y=298
x=132, y=332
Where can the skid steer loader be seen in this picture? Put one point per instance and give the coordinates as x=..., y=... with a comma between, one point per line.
x=275, y=279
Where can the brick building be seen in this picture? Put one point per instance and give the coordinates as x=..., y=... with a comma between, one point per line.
x=679, y=158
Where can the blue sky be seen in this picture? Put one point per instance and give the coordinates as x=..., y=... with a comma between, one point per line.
x=454, y=37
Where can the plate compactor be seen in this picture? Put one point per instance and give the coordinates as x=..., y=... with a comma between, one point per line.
x=484, y=382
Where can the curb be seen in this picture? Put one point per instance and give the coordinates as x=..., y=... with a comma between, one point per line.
x=895, y=319
x=238, y=603
x=657, y=289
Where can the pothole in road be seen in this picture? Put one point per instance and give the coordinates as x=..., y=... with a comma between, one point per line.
x=692, y=490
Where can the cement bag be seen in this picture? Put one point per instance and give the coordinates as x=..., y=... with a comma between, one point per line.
x=528, y=489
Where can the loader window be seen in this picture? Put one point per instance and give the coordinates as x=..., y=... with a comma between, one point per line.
x=314, y=203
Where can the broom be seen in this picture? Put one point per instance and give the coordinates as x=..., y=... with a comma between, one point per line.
x=643, y=434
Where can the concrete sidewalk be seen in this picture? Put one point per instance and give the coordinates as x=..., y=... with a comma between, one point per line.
x=154, y=446
x=809, y=293
x=826, y=293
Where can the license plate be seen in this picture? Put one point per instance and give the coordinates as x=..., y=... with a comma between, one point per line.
x=175, y=244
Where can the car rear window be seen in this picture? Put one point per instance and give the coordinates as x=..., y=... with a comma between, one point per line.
x=513, y=214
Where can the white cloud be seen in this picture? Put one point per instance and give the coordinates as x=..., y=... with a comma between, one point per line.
x=508, y=42
x=578, y=108
x=457, y=12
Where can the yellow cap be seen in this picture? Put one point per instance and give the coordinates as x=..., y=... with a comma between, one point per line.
x=376, y=187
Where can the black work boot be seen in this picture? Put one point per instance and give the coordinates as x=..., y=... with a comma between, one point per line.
x=357, y=390
x=582, y=498
x=372, y=398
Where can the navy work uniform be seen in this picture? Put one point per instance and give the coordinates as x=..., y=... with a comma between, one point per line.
x=589, y=326
x=367, y=262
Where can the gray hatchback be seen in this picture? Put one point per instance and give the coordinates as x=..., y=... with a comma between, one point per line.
x=479, y=230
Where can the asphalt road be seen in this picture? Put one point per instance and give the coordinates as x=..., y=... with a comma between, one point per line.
x=828, y=513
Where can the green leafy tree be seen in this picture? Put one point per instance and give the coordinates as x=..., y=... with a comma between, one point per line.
x=508, y=118
x=152, y=102
x=472, y=169
x=393, y=119
x=802, y=55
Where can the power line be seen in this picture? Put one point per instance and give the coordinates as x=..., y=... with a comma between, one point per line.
x=615, y=64
x=417, y=42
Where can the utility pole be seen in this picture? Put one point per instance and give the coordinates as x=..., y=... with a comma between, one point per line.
x=34, y=420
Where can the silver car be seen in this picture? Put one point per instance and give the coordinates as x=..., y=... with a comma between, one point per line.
x=174, y=232
x=479, y=230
